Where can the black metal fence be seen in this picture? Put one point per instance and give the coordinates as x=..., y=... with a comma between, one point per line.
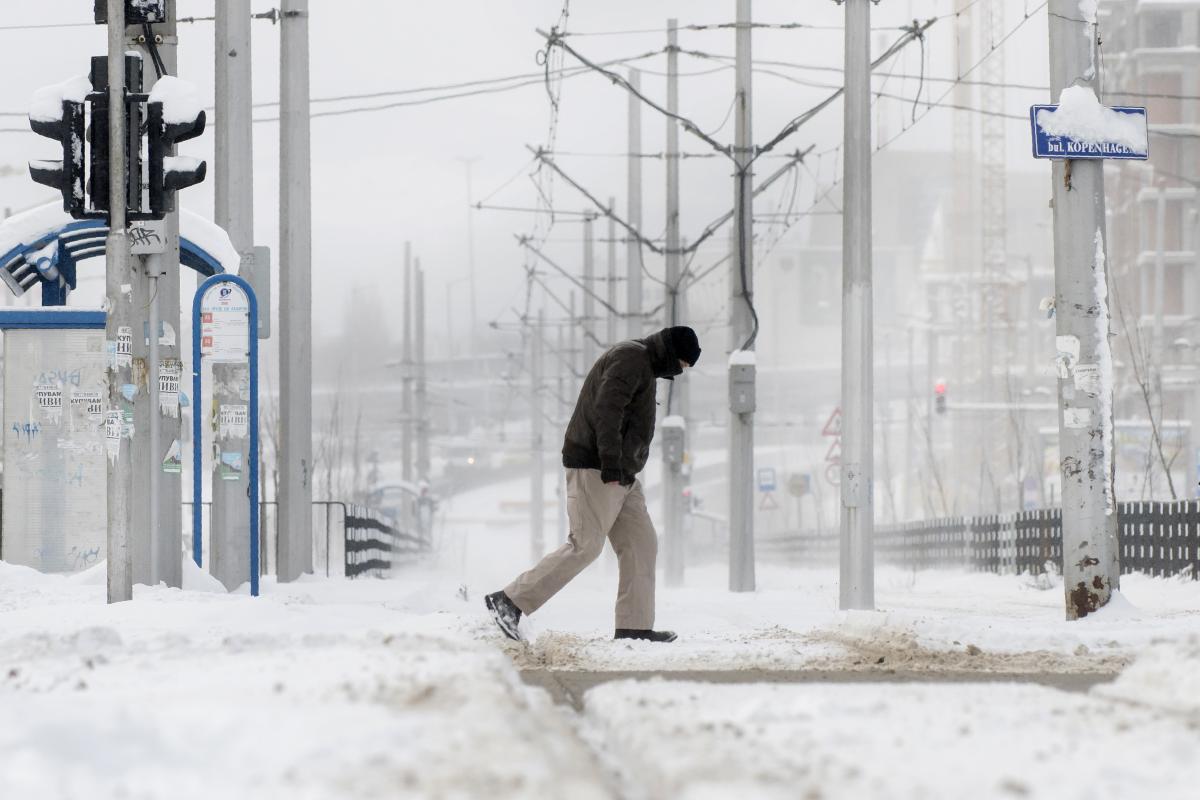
x=1155, y=538
x=375, y=543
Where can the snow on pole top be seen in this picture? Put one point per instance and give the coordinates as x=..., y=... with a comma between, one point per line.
x=742, y=358
x=46, y=104
x=1088, y=9
x=673, y=421
x=1080, y=117
x=179, y=99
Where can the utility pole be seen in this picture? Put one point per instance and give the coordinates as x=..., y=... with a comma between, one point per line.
x=675, y=436
x=857, y=581
x=158, y=522
x=234, y=194
x=589, y=295
x=563, y=523
x=742, y=324
x=295, y=300
x=473, y=333
x=422, y=414
x=406, y=358
x=1157, y=351
x=633, y=250
x=537, y=545
x=118, y=326
x=611, y=334
x=1091, y=568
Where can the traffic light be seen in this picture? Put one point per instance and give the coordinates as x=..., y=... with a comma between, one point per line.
x=172, y=115
x=939, y=396
x=137, y=12
x=98, y=173
x=57, y=113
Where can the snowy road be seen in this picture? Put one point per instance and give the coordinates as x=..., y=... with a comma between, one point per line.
x=401, y=688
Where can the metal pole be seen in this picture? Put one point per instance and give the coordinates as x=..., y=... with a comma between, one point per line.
x=563, y=524
x=406, y=370
x=422, y=414
x=633, y=250
x=229, y=521
x=672, y=465
x=857, y=580
x=1091, y=568
x=610, y=337
x=589, y=296
x=157, y=523
x=295, y=306
x=741, y=322
x=119, y=325
x=537, y=426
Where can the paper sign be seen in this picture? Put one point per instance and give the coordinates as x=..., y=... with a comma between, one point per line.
x=232, y=421
x=225, y=323
x=169, y=373
x=229, y=468
x=1087, y=378
x=1077, y=417
x=124, y=346
x=173, y=463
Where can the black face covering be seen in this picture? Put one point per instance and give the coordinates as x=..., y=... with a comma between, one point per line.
x=663, y=358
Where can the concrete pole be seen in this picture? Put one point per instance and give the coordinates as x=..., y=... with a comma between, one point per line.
x=857, y=580
x=406, y=369
x=1157, y=350
x=672, y=462
x=157, y=523
x=1091, y=568
x=741, y=322
x=574, y=353
x=910, y=435
x=420, y=396
x=611, y=334
x=589, y=295
x=119, y=326
x=295, y=297
x=229, y=521
x=537, y=545
x=561, y=372
x=633, y=251
x=473, y=333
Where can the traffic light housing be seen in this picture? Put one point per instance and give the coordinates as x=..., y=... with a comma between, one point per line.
x=67, y=128
x=939, y=397
x=137, y=12
x=97, y=138
x=172, y=116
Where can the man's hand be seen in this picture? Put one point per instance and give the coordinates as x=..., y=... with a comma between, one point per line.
x=610, y=476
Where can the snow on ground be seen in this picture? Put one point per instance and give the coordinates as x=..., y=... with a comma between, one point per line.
x=947, y=620
x=320, y=689
x=403, y=688
x=704, y=742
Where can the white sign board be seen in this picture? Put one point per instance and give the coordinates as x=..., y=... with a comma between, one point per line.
x=54, y=465
x=225, y=324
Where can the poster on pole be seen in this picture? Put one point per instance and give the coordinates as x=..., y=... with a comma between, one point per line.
x=224, y=321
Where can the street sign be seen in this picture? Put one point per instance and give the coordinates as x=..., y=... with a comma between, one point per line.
x=766, y=479
x=224, y=314
x=833, y=425
x=224, y=311
x=1046, y=145
x=799, y=484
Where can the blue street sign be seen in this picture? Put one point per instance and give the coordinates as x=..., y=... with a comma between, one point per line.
x=766, y=479
x=1047, y=146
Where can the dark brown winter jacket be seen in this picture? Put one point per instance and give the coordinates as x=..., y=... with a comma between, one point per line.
x=613, y=421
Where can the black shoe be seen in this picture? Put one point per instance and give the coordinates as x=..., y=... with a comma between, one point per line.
x=506, y=614
x=647, y=635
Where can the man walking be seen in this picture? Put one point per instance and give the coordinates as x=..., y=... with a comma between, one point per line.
x=606, y=446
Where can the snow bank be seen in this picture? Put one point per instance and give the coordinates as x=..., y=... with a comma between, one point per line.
x=1081, y=117
x=46, y=103
x=673, y=421
x=1165, y=676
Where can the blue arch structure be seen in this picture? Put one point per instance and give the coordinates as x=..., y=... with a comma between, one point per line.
x=45, y=246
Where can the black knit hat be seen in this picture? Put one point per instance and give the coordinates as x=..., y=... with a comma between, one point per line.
x=684, y=343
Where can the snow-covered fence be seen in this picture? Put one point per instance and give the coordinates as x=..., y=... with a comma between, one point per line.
x=1158, y=538
x=375, y=542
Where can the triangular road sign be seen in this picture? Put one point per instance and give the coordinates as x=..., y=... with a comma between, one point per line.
x=833, y=425
x=834, y=456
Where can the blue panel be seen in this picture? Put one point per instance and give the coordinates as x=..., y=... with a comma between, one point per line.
x=36, y=318
x=1063, y=147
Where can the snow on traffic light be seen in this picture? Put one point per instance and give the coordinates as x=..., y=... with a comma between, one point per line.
x=173, y=114
x=57, y=113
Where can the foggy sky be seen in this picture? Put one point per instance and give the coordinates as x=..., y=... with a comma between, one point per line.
x=383, y=177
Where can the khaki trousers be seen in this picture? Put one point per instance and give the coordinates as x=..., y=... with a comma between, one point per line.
x=596, y=510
